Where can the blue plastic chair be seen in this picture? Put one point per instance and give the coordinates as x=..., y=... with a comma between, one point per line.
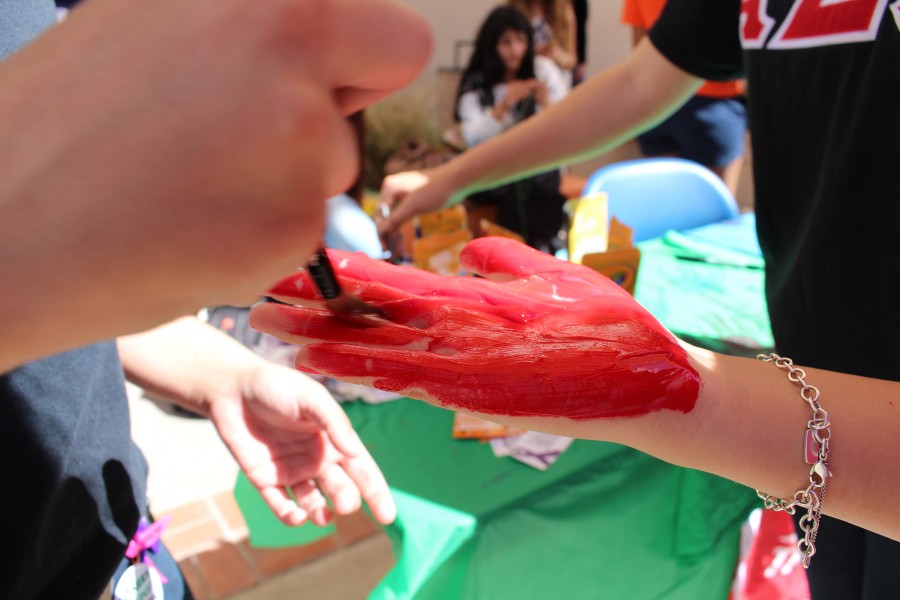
x=654, y=195
x=348, y=227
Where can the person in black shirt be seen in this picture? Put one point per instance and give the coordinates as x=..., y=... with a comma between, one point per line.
x=581, y=18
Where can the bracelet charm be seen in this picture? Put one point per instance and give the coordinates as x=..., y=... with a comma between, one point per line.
x=816, y=448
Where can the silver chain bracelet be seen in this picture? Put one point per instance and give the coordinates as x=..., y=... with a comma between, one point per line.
x=818, y=436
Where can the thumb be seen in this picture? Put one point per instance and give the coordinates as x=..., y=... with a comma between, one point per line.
x=504, y=259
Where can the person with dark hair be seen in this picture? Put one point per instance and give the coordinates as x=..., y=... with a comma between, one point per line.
x=503, y=84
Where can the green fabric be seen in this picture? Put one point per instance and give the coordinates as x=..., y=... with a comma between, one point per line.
x=605, y=521
x=266, y=531
x=719, y=307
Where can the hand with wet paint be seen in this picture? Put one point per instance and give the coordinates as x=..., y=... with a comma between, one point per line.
x=538, y=337
x=546, y=345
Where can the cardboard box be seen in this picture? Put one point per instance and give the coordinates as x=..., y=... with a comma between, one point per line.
x=603, y=244
x=468, y=427
x=487, y=228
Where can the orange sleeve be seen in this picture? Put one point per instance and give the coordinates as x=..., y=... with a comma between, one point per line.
x=641, y=13
x=631, y=14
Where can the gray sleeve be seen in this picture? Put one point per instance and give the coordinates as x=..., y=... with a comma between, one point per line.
x=21, y=21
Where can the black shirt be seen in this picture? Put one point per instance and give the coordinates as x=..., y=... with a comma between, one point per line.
x=73, y=482
x=823, y=103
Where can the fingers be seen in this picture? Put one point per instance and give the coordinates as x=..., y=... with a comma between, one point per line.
x=356, y=271
x=335, y=484
x=358, y=266
x=297, y=288
x=430, y=324
x=501, y=384
x=371, y=484
x=300, y=326
x=605, y=381
x=361, y=276
x=391, y=370
x=395, y=188
x=419, y=192
x=309, y=499
x=345, y=487
x=379, y=282
x=354, y=476
x=309, y=505
x=504, y=259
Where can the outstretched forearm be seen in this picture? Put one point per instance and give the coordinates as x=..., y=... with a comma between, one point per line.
x=596, y=116
x=188, y=362
x=749, y=426
x=752, y=424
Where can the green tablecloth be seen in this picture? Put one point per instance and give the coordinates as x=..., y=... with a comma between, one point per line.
x=716, y=306
x=604, y=521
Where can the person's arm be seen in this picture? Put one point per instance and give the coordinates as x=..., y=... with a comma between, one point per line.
x=749, y=426
x=552, y=346
x=602, y=112
x=158, y=157
x=478, y=123
x=284, y=429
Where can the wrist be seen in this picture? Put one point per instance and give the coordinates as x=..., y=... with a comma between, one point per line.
x=451, y=178
x=662, y=434
x=224, y=372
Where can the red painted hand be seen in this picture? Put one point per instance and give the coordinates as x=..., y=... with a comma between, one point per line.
x=538, y=337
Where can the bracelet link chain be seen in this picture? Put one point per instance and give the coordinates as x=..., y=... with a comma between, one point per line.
x=818, y=438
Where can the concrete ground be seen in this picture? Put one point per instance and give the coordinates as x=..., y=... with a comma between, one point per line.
x=343, y=575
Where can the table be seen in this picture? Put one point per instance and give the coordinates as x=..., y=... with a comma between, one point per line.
x=714, y=305
x=605, y=521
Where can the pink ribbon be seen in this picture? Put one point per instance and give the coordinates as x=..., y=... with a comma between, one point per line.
x=147, y=538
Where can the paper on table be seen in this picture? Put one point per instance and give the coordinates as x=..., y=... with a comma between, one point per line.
x=535, y=449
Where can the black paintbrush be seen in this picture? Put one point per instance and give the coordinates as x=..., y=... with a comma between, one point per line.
x=344, y=305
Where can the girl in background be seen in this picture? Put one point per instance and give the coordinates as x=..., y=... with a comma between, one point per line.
x=555, y=31
x=504, y=83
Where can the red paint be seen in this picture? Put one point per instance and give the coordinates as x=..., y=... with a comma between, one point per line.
x=563, y=341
